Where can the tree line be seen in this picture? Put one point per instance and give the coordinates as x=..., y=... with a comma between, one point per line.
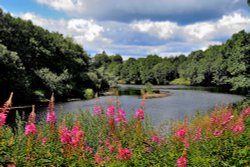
x=225, y=65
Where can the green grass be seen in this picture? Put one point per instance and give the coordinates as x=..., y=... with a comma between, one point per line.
x=180, y=81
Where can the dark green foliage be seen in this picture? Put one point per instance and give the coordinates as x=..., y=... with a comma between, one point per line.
x=37, y=59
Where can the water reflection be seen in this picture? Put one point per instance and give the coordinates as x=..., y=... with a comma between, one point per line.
x=184, y=101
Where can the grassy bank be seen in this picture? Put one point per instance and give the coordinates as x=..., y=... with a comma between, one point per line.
x=107, y=137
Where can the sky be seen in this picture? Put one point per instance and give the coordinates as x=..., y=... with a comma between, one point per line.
x=137, y=28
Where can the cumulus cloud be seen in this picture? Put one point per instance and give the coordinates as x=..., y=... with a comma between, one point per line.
x=163, y=30
x=140, y=38
x=201, y=31
x=81, y=30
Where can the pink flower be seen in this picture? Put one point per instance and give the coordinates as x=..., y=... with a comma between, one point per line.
x=51, y=117
x=98, y=159
x=97, y=110
x=139, y=114
x=245, y=113
x=30, y=129
x=218, y=133
x=76, y=136
x=181, y=133
x=11, y=165
x=124, y=154
x=186, y=143
x=226, y=118
x=111, y=111
x=2, y=119
x=89, y=149
x=238, y=128
x=156, y=139
x=198, y=134
x=121, y=117
x=182, y=161
x=110, y=146
x=65, y=136
x=44, y=140
x=214, y=120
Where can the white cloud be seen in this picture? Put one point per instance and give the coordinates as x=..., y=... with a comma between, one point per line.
x=201, y=31
x=81, y=30
x=163, y=30
x=88, y=28
x=171, y=38
x=64, y=5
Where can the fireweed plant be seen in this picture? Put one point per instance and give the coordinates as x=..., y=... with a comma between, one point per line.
x=106, y=136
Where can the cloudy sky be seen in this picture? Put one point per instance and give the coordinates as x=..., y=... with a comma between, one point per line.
x=136, y=28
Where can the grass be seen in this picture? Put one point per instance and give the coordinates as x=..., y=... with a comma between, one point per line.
x=180, y=81
x=107, y=137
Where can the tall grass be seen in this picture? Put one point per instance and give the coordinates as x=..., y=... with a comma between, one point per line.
x=107, y=137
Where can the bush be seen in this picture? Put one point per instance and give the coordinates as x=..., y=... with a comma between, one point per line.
x=180, y=81
x=88, y=93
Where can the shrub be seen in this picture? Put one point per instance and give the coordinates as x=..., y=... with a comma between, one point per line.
x=180, y=81
x=88, y=93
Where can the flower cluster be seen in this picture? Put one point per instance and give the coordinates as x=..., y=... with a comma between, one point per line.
x=73, y=137
x=51, y=116
x=124, y=154
x=30, y=127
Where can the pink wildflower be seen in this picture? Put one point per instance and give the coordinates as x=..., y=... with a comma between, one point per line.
x=186, y=143
x=198, y=134
x=218, y=133
x=65, y=136
x=238, y=128
x=111, y=111
x=2, y=119
x=182, y=161
x=11, y=165
x=77, y=136
x=30, y=129
x=139, y=114
x=121, y=117
x=97, y=110
x=245, y=113
x=214, y=120
x=156, y=139
x=51, y=117
x=226, y=118
x=181, y=133
x=98, y=159
x=110, y=146
x=89, y=149
x=124, y=154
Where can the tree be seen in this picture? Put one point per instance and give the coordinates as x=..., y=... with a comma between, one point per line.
x=13, y=77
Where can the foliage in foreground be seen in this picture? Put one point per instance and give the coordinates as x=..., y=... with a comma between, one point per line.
x=108, y=138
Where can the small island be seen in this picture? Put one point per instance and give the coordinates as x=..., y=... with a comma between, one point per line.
x=148, y=92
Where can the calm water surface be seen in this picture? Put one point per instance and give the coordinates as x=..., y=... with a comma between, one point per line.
x=184, y=101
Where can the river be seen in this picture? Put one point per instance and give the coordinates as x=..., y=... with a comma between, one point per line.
x=183, y=101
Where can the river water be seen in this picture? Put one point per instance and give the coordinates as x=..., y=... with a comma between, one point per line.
x=183, y=101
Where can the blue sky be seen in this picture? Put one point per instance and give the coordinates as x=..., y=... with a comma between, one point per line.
x=136, y=28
